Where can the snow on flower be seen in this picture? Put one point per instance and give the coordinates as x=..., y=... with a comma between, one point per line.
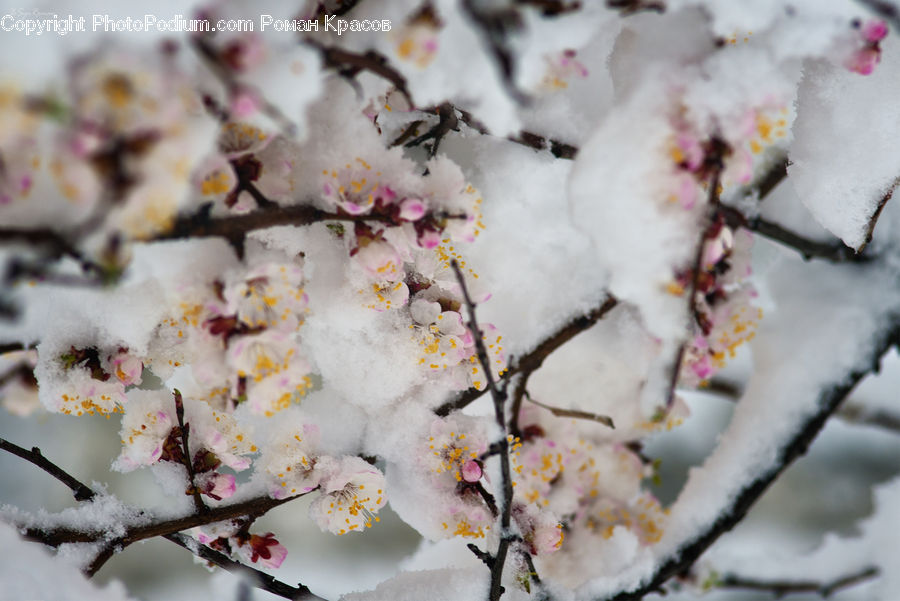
x=452, y=455
x=269, y=295
x=559, y=471
x=249, y=163
x=454, y=448
x=85, y=385
x=725, y=315
x=270, y=370
x=289, y=459
x=542, y=532
x=561, y=68
x=352, y=494
x=149, y=417
x=447, y=344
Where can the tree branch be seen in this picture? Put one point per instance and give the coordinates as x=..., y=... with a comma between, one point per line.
x=447, y=121
x=261, y=580
x=560, y=150
x=828, y=402
x=780, y=588
x=79, y=490
x=853, y=413
x=168, y=529
x=55, y=242
x=809, y=249
x=349, y=64
x=498, y=393
x=533, y=359
x=255, y=507
x=187, y=457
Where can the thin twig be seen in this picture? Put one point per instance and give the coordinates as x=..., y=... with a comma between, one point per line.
x=709, y=222
x=255, y=507
x=560, y=150
x=447, y=121
x=573, y=413
x=227, y=77
x=780, y=588
x=532, y=360
x=835, y=252
x=498, y=393
x=630, y=7
x=167, y=529
x=261, y=580
x=186, y=459
x=494, y=25
x=349, y=64
x=79, y=490
x=10, y=347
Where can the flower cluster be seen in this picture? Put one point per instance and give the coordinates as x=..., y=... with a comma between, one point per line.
x=722, y=303
x=234, y=538
x=404, y=253
x=157, y=429
x=453, y=459
x=562, y=477
x=251, y=167
x=95, y=381
x=240, y=337
x=352, y=490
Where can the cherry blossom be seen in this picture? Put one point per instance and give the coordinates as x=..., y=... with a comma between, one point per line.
x=352, y=493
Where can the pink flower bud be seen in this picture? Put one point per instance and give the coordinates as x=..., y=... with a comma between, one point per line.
x=243, y=105
x=412, y=209
x=471, y=471
x=875, y=30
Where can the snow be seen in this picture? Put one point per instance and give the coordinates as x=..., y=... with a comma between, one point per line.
x=636, y=236
x=30, y=572
x=844, y=130
x=624, y=218
x=435, y=585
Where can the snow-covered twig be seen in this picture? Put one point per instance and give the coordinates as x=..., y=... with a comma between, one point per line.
x=533, y=359
x=809, y=249
x=349, y=64
x=168, y=529
x=499, y=395
x=254, y=507
x=850, y=412
x=690, y=550
x=80, y=491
